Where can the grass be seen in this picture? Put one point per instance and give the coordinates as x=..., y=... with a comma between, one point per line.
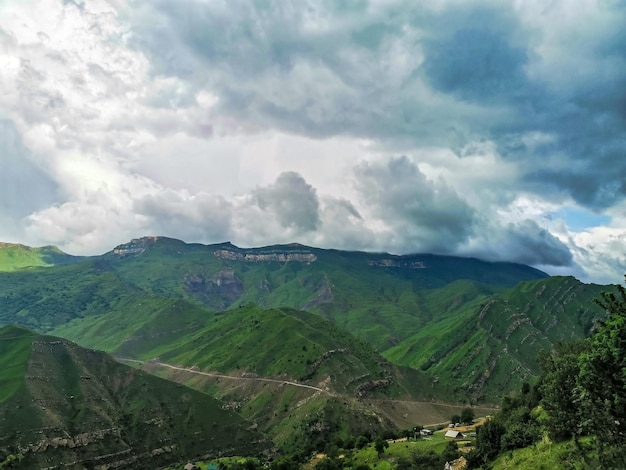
x=547, y=455
x=15, y=256
x=15, y=348
x=401, y=449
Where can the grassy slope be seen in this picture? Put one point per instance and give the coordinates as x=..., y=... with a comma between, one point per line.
x=547, y=455
x=15, y=256
x=488, y=347
x=44, y=298
x=248, y=339
x=14, y=353
x=151, y=320
x=119, y=414
x=377, y=303
x=280, y=343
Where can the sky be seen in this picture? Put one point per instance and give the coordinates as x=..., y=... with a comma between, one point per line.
x=486, y=128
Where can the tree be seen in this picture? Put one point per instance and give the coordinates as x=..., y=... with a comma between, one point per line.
x=361, y=442
x=380, y=445
x=12, y=461
x=420, y=460
x=467, y=416
x=488, y=443
x=327, y=464
x=558, y=381
x=451, y=452
x=455, y=419
x=602, y=382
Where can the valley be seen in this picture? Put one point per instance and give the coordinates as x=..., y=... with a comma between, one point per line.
x=292, y=339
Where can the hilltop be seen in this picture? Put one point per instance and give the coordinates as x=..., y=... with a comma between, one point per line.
x=14, y=256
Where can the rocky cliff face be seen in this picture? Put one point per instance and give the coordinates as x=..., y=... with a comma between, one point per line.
x=134, y=247
x=398, y=263
x=217, y=290
x=267, y=256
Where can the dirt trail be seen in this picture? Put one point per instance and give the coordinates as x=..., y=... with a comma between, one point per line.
x=223, y=376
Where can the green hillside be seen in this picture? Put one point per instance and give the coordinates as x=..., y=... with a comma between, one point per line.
x=258, y=351
x=378, y=297
x=63, y=405
x=489, y=346
x=469, y=326
x=15, y=256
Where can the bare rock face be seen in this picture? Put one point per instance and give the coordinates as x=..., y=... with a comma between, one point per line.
x=134, y=247
x=398, y=263
x=267, y=256
x=218, y=290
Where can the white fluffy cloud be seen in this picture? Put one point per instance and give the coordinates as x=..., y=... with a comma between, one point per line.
x=478, y=128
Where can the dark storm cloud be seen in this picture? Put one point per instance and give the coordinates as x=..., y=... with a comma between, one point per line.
x=403, y=72
x=471, y=53
x=524, y=242
x=424, y=215
x=24, y=187
x=318, y=69
x=292, y=201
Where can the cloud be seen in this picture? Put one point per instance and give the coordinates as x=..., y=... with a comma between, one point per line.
x=343, y=227
x=522, y=242
x=421, y=214
x=189, y=217
x=24, y=186
x=471, y=53
x=292, y=201
x=271, y=122
x=441, y=75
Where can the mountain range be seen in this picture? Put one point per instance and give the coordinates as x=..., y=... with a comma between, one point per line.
x=295, y=338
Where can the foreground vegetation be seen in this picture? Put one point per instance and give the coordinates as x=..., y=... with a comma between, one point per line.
x=382, y=454
x=575, y=415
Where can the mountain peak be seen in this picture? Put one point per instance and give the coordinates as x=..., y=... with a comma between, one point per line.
x=136, y=245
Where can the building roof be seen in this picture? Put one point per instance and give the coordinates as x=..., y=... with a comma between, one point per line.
x=454, y=434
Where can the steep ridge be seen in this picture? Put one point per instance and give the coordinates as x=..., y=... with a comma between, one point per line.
x=66, y=406
x=490, y=347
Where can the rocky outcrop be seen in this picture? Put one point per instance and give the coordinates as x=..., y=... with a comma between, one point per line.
x=218, y=290
x=302, y=256
x=134, y=247
x=397, y=263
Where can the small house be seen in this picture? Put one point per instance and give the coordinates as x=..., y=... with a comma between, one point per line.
x=426, y=432
x=451, y=434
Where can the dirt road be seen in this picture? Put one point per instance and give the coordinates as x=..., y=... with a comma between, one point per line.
x=223, y=376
